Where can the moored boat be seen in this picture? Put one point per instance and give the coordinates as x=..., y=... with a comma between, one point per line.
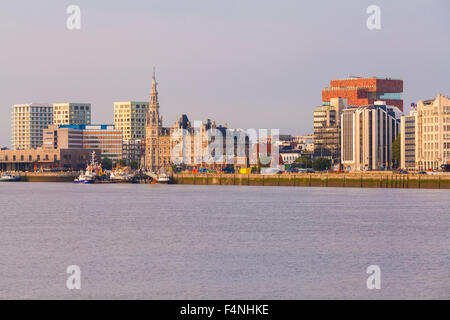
x=83, y=178
x=120, y=176
x=163, y=178
x=90, y=174
x=8, y=177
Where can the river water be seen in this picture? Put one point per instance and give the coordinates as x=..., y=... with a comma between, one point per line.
x=222, y=242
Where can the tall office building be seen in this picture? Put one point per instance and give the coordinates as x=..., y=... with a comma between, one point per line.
x=327, y=139
x=408, y=128
x=28, y=122
x=69, y=113
x=432, y=134
x=130, y=117
x=367, y=135
x=365, y=91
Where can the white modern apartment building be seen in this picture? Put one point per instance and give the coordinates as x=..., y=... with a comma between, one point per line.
x=431, y=135
x=130, y=117
x=367, y=135
x=70, y=113
x=28, y=121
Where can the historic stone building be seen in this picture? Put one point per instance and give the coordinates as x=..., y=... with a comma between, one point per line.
x=196, y=142
x=425, y=135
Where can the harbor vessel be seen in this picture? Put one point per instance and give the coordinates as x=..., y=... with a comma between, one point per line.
x=8, y=177
x=93, y=170
x=120, y=176
x=163, y=178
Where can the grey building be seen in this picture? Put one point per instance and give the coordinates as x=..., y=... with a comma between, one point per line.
x=327, y=139
x=408, y=127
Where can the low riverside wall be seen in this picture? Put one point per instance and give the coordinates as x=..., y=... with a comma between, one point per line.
x=49, y=176
x=353, y=180
x=356, y=180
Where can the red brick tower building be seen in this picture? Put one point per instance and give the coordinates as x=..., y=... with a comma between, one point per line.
x=365, y=91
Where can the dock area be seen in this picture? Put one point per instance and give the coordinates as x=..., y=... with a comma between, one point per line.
x=352, y=180
x=48, y=176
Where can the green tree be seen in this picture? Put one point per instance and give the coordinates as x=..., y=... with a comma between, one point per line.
x=321, y=164
x=122, y=162
x=107, y=163
x=134, y=165
x=396, y=151
x=303, y=162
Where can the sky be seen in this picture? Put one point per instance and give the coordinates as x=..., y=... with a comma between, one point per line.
x=249, y=63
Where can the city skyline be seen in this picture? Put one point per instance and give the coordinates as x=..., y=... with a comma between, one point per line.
x=256, y=74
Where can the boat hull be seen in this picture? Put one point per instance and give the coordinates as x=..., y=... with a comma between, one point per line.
x=10, y=179
x=84, y=181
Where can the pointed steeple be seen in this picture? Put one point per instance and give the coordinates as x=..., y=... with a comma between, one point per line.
x=153, y=118
x=154, y=93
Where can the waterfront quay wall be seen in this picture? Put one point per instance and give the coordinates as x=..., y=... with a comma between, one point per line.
x=352, y=180
x=48, y=176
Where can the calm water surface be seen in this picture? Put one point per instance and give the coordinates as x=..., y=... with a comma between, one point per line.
x=222, y=242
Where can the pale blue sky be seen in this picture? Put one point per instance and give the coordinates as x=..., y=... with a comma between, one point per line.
x=251, y=63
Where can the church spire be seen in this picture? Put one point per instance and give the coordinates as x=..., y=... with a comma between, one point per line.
x=153, y=118
x=154, y=93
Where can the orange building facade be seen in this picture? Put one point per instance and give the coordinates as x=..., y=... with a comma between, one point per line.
x=365, y=91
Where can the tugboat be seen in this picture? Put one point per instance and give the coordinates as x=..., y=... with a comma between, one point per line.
x=85, y=179
x=92, y=170
x=8, y=177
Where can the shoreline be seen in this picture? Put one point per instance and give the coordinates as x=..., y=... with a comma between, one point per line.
x=350, y=180
x=344, y=180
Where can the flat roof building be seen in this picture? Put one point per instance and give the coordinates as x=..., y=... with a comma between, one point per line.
x=432, y=133
x=133, y=151
x=327, y=139
x=365, y=91
x=34, y=159
x=130, y=117
x=408, y=129
x=103, y=137
x=28, y=121
x=71, y=113
x=367, y=135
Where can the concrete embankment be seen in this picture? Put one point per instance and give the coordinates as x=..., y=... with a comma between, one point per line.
x=49, y=176
x=353, y=180
x=356, y=180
